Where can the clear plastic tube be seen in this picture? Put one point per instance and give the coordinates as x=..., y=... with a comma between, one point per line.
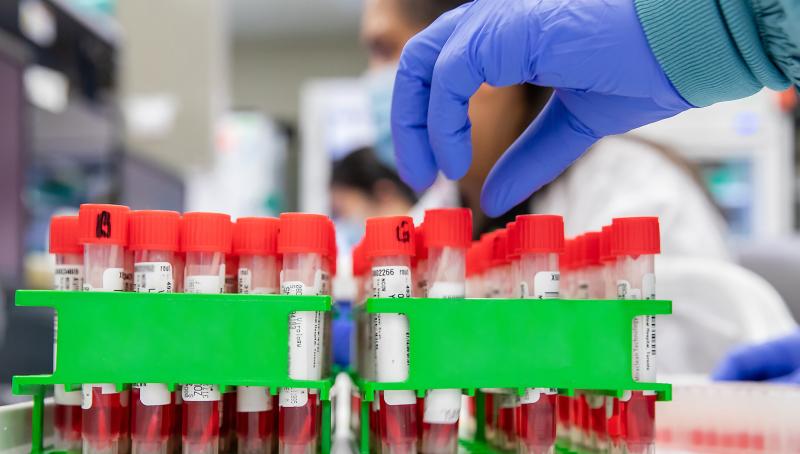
x=103, y=416
x=397, y=414
x=299, y=410
x=636, y=409
x=442, y=407
x=68, y=276
x=539, y=279
x=255, y=415
x=201, y=403
x=152, y=406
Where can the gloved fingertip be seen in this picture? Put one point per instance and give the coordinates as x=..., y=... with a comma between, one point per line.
x=494, y=200
x=793, y=378
x=419, y=178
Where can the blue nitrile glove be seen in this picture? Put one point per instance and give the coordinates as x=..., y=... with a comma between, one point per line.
x=776, y=361
x=595, y=54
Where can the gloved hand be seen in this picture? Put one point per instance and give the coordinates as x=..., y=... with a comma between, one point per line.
x=777, y=361
x=593, y=52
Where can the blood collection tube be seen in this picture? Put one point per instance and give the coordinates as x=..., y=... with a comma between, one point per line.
x=255, y=242
x=227, y=428
x=541, y=240
x=103, y=230
x=176, y=433
x=637, y=241
x=359, y=340
x=608, y=262
x=68, y=276
x=513, y=253
x=419, y=271
x=564, y=403
x=447, y=237
x=153, y=240
x=592, y=405
x=580, y=409
x=303, y=242
x=206, y=239
x=390, y=247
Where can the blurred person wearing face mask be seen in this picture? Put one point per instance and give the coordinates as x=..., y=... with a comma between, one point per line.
x=363, y=187
x=620, y=176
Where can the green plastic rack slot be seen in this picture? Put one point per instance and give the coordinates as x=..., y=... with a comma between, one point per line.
x=516, y=344
x=173, y=338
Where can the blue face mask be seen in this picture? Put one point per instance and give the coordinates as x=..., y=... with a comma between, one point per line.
x=380, y=84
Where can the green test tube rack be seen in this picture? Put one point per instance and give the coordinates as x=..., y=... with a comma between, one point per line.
x=173, y=338
x=515, y=344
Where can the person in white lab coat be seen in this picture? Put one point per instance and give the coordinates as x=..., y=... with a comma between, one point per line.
x=620, y=176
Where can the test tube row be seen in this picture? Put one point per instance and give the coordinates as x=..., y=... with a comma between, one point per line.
x=528, y=259
x=111, y=248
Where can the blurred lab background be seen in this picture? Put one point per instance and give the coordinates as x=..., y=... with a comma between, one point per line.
x=251, y=107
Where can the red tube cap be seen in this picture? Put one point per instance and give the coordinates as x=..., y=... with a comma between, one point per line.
x=605, y=245
x=391, y=235
x=590, y=249
x=512, y=251
x=420, y=245
x=154, y=230
x=500, y=248
x=64, y=235
x=304, y=233
x=540, y=233
x=636, y=236
x=256, y=236
x=103, y=224
x=206, y=232
x=360, y=266
x=448, y=227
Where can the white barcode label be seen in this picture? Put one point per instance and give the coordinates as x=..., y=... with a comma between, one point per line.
x=390, y=331
x=305, y=333
x=391, y=282
x=644, y=329
x=153, y=393
x=442, y=406
x=203, y=284
x=113, y=281
x=68, y=278
x=292, y=397
x=546, y=284
x=63, y=397
x=245, y=280
x=153, y=277
x=253, y=399
x=200, y=393
x=447, y=290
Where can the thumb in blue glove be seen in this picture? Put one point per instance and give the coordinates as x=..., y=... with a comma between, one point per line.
x=594, y=53
x=777, y=361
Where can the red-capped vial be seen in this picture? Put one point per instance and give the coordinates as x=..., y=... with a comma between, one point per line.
x=360, y=335
x=303, y=242
x=206, y=240
x=419, y=270
x=513, y=255
x=540, y=239
x=227, y=429
x=154, y=242
x=67, y=276
x=636, y=242
x=448, y=234
x=609, y=263
x=255, y=243
x=471, y=272
x=499, y=274
x=390, y=248
x=591, y=275
x=103, y=231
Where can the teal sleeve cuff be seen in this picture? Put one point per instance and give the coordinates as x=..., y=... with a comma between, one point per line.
x=710, y=49
x=778, y=23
